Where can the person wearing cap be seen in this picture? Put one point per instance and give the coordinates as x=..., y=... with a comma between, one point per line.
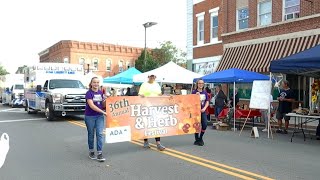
x=151, y=89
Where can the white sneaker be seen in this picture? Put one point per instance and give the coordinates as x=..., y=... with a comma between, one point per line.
x=4, y=147
x=264, y=130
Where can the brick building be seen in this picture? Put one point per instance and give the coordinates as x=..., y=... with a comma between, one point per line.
x=103, y=59
x=204, y=45
x=256, y=32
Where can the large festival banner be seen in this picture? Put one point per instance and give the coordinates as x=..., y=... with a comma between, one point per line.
x=134, y=117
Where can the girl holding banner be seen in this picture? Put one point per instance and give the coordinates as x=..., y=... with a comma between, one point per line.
x=94, y=118
x=204, y=104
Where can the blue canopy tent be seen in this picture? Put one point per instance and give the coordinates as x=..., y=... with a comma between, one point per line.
x=123, y=78
x=305, y=63
x=234, y=76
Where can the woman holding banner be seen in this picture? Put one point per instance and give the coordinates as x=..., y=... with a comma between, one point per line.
x=204, y=105
x=151, y=89
x=94, y=118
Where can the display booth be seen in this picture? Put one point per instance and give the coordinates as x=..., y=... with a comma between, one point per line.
x=234, y=76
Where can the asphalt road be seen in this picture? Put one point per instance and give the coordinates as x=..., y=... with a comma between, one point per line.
x=58, y=150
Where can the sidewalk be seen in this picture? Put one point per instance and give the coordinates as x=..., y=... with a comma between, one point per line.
x=309, y=129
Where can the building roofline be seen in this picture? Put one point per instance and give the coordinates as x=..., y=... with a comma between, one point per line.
x=70, y=43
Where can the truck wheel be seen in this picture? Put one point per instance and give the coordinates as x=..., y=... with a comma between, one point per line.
x=26, y=106
x=49, y=112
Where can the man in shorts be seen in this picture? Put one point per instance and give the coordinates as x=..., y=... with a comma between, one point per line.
x=285, y=98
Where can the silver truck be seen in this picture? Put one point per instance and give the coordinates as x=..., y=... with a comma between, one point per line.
x=57, y=97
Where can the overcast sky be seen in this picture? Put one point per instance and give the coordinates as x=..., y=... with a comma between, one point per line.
x=30, y=26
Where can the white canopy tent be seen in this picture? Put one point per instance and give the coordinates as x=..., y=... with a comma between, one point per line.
x=168, y=73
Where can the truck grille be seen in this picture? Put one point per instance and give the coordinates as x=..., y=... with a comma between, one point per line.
x=75, y=98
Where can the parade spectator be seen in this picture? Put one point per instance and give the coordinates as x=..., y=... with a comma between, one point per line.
x=104, y=92
x=94, y=118
x=219, y=100
x=149, y=89
x=208, y=90
x=113, y=92
x=134, y=91
x=128, y=93
x=236, y=98
x=285, y=98
x=204, y=100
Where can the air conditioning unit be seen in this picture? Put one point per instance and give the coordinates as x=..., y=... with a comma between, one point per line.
x=292, y=16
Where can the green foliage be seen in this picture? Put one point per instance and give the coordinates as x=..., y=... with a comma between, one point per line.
x=146, y=65
x=159, y=56
x=3, y=71
x=165, y=53
x=169, y=52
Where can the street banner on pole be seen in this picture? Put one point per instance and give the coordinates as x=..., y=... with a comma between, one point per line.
x=134, y=117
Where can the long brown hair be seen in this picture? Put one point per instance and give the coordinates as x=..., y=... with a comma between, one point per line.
x=90, y=86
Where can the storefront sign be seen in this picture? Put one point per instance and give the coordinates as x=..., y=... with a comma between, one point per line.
x=134, y=117
x=204, y=68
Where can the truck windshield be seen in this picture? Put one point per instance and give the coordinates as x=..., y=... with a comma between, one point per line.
x=65, y=83
x=18, y=86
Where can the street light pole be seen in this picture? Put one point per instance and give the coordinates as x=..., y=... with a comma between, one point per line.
x=146, y=25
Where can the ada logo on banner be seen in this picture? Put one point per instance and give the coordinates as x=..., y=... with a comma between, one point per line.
x=118, y=134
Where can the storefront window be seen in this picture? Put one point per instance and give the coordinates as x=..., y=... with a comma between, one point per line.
x=243, y=17
x=291, y=9
x=265, y=15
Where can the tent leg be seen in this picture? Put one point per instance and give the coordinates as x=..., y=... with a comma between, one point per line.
x=234, y=106
x=269, y=110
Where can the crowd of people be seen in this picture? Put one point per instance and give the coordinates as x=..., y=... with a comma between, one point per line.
x=95, y=114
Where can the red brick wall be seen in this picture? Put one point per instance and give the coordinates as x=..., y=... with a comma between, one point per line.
x=253, y=10
x=208, y=50
x=277, y=11
x=205, y=6
x=309, y=7
x=75, y=50
x=285, y=28
x=227, y=23
x=229, y=11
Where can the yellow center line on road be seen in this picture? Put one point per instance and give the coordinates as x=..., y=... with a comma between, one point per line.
x=199, y=163
x=197, y=160
x=212, y=162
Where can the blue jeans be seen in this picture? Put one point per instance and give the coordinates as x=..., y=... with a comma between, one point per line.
x=217, y=111
x=204, y=121
x=95, y=123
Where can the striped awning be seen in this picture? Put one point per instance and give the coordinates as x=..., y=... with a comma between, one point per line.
x=257, y=57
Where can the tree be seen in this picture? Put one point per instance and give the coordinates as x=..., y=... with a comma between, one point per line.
x=159, y=56
x=150, y=63
x=3, y=71
x=169, y=52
